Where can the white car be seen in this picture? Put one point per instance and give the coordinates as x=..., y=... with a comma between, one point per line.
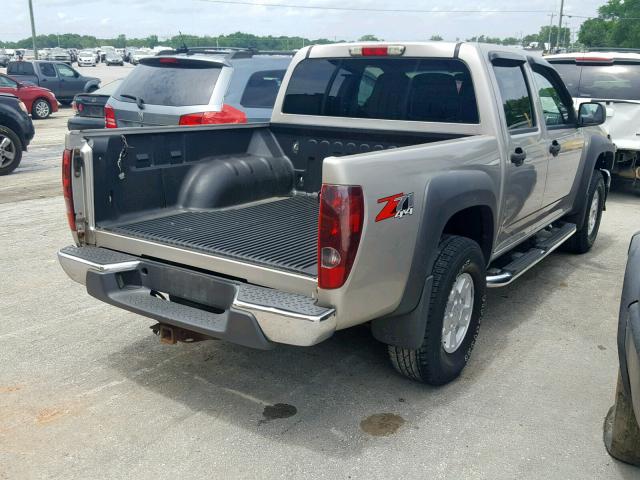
x=86, y=58
x=613, y=79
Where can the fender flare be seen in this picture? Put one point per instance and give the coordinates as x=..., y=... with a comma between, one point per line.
x=90, y=84
x=445, y=195
x=598, y=145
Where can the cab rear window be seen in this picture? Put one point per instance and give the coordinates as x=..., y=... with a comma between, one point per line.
x=20, y=68
x=426, y=90
x=169, y=85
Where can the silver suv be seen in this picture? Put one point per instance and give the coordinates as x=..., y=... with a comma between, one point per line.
x=199, y=86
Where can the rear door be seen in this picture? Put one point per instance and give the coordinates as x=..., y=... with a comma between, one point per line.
x=565, y=141
x=527, y=160
x=254, y=86
x=49, y=77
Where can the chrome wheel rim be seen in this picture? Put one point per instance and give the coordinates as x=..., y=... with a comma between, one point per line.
x=593, y=211
x=7, y=151
x=458, y=312
x=42, y=109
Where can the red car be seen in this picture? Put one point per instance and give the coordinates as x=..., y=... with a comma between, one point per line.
x=41, y=102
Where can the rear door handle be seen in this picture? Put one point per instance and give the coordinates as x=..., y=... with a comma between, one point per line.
x=518, y=156
x=554, y=148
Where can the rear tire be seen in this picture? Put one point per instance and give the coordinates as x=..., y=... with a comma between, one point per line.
x=455, y=310
x=40, y=109
x=588, y=220
x=10, y=150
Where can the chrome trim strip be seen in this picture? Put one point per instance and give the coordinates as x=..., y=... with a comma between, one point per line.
x=256, y=274
x=76, y=268
x=285, y=313
x=505, y=278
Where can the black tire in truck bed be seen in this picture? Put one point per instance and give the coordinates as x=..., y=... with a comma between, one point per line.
x=279, y=233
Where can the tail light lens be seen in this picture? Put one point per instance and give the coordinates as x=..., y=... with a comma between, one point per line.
x=110, y=117
x=67, y=191
x=228, y=114
x=339, y=231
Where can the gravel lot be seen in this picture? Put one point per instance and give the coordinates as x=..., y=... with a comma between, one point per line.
x=87, y=392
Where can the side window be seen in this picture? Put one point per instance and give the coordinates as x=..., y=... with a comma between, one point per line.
x=7, y=82
x=516, y=100
x=262, y=89
x=65, y=71
x=556, y=111
x=47, y=70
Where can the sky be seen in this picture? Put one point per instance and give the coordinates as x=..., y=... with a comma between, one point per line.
x=139, y=18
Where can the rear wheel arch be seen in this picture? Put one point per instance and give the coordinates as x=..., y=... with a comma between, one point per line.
x=449, y=199
x=475, y=223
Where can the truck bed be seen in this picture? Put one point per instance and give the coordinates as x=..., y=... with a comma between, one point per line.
x=279, y=233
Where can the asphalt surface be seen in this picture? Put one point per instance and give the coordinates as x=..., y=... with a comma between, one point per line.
x=88, y=392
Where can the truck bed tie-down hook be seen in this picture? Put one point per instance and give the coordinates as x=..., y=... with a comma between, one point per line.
x=122, y=156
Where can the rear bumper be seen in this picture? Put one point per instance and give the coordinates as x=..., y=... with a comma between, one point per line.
x=218, y=307
x=78, y=122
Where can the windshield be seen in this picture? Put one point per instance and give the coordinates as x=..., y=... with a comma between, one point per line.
x=619, y=81
x=162, y=85
x=86, y=52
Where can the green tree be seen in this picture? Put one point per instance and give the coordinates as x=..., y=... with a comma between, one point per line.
x=369, y=38
x=617, y=26
x=436, y=38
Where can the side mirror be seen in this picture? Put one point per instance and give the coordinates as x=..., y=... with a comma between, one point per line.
x=76, y=74
x=591, y=114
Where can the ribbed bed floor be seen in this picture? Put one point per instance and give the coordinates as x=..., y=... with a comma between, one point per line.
x=281, y=234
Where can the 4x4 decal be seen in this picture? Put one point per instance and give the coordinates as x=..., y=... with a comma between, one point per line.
x=396, y=206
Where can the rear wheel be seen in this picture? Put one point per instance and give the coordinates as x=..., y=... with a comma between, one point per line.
x=40, y=109
x=455, y=309
x=588, y=220
x=10, y=150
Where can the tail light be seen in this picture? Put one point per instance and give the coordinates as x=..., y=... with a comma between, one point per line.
x=67, y=191
x=228, y=114
x=339, y=231
x=110, y=117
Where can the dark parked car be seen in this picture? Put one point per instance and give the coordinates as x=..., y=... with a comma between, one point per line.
x=60, y=78
x=113, y=58
x=622, y=430
x=199, y=86
x=89, y=108
x=16, y=131
x=60, y=55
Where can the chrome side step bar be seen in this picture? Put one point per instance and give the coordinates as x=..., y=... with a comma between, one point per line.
x=546, y=242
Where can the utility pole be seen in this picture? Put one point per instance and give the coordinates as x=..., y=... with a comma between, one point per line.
x=560, y=21
x=551, y=28
x=33, y=31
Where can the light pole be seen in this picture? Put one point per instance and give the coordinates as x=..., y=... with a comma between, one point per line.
x=33, y=31
x=560, y=22
x=551, y=28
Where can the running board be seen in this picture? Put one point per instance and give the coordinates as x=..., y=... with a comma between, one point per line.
x=545, y=242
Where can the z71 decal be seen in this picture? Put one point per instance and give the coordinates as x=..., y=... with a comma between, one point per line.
x=396, y=206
